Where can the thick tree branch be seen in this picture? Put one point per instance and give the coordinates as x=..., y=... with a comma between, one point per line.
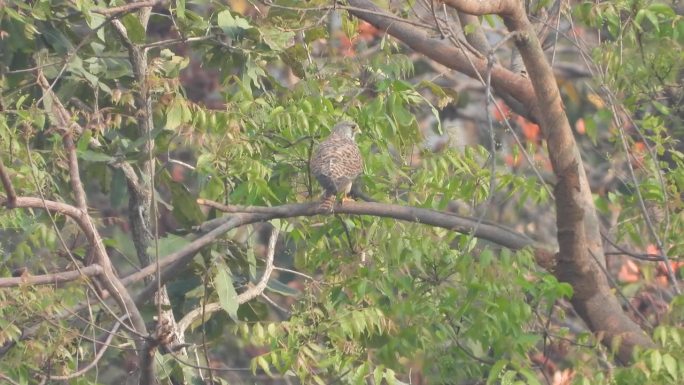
x=141, y=199
x=442, y=51
x=477, y=37
x=580, y=258
x=489, y=231
x=244, y=215
x=52, y=279
x=140, y=189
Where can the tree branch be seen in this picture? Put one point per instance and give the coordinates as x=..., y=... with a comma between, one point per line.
x=7, y=185
x=74, y=175
x=109, y=279
x=53, y=278
x=244, y=297
x=96, y=359
x=442, y=51
x=580, y=258
x=489, y=231
x=244, y=215
x=141, y=201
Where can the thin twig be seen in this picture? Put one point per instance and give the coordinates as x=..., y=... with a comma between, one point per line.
x=275, y=305
x=295, y=272
x=127, y=8
x=180, y=40
x=642, y=205
x=95, y=360
x=623, y=251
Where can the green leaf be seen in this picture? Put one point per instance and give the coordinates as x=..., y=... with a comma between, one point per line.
x=277, y=40
x=316, y=33
x=653, y=18
x=180, y=9
x=185, y=207
x=656, y=361
x=174, y=115
x=134, y=29
x=496, y=371
x=469, y=28
x=92, y=156
x=670, y=365
x=662, y=9
x=223, y=283
x=378, y=374
x=231, y=25
x=663, y=109
x=281, y=288
x=169, y=244
x=591, y=129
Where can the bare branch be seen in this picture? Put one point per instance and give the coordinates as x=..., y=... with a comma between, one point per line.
x=55, y=207
x=180, y=40
x=477, y=38
x=8, y=379
x=488, y=230
x=141, y=203
x=54, y=278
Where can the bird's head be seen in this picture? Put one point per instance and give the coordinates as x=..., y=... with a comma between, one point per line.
x=346, y=129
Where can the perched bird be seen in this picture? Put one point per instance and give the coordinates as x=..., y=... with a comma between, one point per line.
x=337, y=162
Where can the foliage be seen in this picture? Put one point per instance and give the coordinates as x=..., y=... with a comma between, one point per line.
x=389, y=299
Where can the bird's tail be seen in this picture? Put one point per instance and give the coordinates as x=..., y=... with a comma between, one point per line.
x=327, y=203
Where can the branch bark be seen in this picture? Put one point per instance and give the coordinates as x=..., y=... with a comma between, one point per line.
x=579, y=238
x=54, y=278
x=581, y=258
x=243, y=215
x=141, y=201
x=8, y=186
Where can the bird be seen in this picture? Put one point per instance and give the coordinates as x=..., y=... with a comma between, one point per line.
x=336, y=163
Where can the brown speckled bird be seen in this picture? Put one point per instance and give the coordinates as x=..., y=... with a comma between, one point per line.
x=337, y=162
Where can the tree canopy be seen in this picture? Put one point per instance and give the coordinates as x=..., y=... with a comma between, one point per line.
x=517, y=221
